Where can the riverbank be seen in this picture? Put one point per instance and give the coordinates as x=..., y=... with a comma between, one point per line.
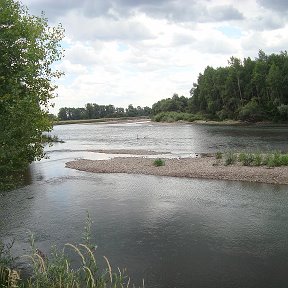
x=103, y=120
x=206, y=167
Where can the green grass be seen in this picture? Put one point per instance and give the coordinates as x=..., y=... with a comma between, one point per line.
x=272, y=159
x=159, y=162
x=219, y=155
x=56, y=271
x=230, y=158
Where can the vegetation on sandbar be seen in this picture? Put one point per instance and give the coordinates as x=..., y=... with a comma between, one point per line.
x=158, y=162
x=272, y=159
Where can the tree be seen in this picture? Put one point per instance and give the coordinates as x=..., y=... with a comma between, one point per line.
x=28, y=48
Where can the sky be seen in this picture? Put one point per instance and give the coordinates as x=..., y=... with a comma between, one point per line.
x=138, y=52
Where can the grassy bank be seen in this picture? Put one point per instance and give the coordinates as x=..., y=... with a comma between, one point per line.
x=57, y=269
x=171, y=117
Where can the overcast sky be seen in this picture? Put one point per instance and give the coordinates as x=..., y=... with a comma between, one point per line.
x=137, y=52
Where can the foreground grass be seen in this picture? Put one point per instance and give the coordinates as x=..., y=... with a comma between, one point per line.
x=57, y=271
x=273, y=159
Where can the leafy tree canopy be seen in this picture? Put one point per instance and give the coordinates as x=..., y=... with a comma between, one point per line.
x=248, y=90
x=28, y=48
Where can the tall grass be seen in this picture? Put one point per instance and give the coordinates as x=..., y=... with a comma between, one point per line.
x=272, y=159
x=57, y=271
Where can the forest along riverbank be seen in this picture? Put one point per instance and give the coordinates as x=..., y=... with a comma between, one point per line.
x=204, y=167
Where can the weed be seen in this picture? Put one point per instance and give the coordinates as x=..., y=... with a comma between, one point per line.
x=55, y=271
x=258, y=159
x=230, y=158
x=159, y=162
x=218, y=155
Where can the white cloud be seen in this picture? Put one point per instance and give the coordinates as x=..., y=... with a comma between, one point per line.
x=137, y=52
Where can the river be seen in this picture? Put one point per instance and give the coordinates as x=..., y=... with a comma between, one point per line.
x=171, y=232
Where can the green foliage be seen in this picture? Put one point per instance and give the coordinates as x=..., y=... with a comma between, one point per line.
x=56, y=271
x=274, y=159
x=51, y=139
x=175, y=116
x=247, y=159
x=251, y=112
x=283, y=111
x=95, y=111
x=159, y=162
x=174, y=104
x=258, y=159
x=249, y=90
x=28, y=47
x=230, y=158
x=219, y=155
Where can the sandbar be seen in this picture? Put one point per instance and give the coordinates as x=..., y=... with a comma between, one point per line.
x=205, y=167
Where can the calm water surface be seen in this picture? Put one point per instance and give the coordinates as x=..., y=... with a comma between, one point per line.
x=172, y=232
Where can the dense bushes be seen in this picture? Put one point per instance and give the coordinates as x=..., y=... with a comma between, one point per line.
x=175, y=116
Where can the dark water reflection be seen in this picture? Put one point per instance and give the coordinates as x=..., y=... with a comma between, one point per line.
x=173, y=232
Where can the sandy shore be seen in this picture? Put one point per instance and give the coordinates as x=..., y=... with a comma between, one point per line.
x=204, y=167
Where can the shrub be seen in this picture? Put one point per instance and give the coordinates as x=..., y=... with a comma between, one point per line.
x=158, y=162
x=218, y=155
x=252, y=111
x=284, y=159
x=277, y=158
x=258, y=159
x=230, y=158
x=248, y=159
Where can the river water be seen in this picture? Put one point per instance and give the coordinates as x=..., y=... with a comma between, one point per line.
x=171, y=232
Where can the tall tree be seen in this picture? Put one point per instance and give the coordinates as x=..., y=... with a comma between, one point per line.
x=28, y=48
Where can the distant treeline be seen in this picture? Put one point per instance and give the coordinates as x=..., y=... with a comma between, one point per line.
x=248, y=90
x=95, y=111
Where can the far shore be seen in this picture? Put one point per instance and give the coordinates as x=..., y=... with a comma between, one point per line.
x=102, y=120
x=147, y=119
x=205, y=167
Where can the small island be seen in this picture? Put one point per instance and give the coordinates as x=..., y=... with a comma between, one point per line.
x=205, y=166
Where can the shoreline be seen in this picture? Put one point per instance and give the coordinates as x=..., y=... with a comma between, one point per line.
x=205, y=167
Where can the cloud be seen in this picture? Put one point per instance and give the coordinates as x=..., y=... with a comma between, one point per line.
x=173, y=10
x=105, y=29
x=277, y=5
x=140, y=51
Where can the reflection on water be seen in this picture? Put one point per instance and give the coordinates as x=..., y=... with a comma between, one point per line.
x=173, y=232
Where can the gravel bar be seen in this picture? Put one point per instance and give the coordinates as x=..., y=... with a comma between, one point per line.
x=203, y=167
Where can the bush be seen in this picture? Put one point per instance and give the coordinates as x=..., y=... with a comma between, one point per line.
x=258, y=159
x=175, y=116
x=246, y=159
x=230, y=158
x=158, y=162
x=283, y=111
x=218, y=155
x=252, y=112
